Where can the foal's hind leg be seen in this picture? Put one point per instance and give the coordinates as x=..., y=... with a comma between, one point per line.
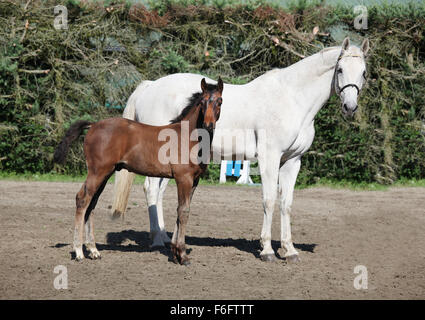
x=89, y=225
x=90, y=241
x=84, y=202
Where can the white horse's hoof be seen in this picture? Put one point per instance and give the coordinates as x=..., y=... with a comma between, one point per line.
x=270, y=257
x=79, y=258
x=293, y=258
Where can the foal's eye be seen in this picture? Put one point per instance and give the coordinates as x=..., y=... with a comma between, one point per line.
x=219, y=101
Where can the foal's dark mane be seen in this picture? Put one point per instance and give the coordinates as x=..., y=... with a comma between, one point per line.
x=194, y=101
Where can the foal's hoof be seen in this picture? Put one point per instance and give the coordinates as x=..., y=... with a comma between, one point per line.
x=271, y=257
x=95, y=255
x=293, y=258
x=185, y=263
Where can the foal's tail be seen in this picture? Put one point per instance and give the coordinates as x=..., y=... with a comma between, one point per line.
x=123, y=178
x=72, y=134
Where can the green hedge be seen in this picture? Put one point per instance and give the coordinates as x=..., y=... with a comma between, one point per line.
x=50, y=78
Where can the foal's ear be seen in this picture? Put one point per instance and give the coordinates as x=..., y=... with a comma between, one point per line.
x=203, y=85
x=220, y=85
x=346, y=43
x=365, y=46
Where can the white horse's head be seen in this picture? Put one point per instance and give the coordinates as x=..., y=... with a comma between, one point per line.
x=350, y=74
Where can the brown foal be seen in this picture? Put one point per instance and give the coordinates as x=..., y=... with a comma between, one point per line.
x=117, y=143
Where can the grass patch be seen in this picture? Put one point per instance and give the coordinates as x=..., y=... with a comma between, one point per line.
x=342, y=184
x=56, y=177
x=364, y=186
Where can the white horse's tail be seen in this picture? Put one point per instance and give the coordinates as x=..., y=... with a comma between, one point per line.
x=123, y=178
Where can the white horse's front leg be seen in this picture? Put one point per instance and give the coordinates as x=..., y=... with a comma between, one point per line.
x=287, y=177
x=269, y=170
x=154, y=189
x=162, y=186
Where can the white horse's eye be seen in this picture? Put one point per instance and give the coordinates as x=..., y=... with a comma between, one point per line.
x=339, y=70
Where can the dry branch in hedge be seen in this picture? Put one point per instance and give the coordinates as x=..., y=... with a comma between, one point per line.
x=50, y=78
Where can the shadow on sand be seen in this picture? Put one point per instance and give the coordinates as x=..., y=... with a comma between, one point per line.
x=115, y=240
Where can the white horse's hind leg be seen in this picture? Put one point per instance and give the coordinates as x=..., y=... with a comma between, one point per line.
x=152, y=188
x=287, y=177
x=269, y=178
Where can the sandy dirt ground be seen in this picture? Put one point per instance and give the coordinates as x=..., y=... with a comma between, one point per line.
x=334, y=231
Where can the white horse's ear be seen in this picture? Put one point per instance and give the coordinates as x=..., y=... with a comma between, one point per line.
x=365, y=46
x=346, y=43
x=203, y=85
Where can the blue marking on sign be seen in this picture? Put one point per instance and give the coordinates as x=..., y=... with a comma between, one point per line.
x=229, y=168
x=238, y=165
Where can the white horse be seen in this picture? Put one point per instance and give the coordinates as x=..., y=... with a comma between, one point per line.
x=277, y=110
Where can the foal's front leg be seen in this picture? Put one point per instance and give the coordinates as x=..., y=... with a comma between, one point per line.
x=178, y=245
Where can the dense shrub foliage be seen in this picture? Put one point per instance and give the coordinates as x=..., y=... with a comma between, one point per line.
x=50, y=78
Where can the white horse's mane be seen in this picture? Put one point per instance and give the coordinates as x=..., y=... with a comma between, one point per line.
x=321, y=52
x=352, y=50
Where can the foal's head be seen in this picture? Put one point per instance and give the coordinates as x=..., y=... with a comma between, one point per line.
x=211, y=103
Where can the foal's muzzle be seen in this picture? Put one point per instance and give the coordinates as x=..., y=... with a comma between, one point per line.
x=209, y=126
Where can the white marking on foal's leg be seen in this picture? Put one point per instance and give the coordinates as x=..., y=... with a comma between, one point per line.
x=175, y=234
x=78, y=244
x=79, y=233
x=90, y=241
